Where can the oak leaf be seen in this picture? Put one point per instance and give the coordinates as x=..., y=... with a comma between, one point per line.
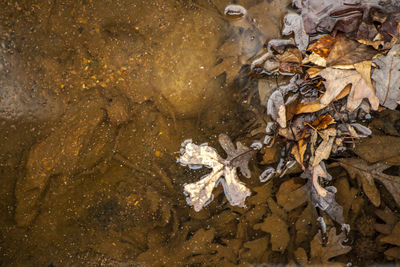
x=387, y=78
x=200, y=193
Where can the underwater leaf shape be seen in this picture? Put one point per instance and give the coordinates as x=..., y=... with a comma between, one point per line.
x=200, y=192
x=387, y=78
x=64, y=151
x=278, y=229
x=367, y=173
x=334, y=247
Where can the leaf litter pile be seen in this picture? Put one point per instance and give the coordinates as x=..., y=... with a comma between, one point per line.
x=336, y=123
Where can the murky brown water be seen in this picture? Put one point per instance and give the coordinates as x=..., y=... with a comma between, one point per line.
x=96, y=98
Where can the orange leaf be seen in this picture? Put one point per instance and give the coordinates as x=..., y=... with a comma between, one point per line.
x=323, y=122
x=298, y=151
x=323, y=46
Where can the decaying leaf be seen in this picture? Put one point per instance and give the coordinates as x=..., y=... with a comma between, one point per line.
x=323, y=151
x=293, y=23
x=387, y=78
x=276, y=108
x=321, y=49
x=337, y=79
x=334, y=247
x=367, y=173
x=324, y=197
x=200, y=193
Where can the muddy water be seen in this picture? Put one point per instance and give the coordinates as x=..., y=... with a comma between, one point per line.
x=96, y=97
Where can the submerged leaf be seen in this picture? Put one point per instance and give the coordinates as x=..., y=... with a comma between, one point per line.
x=359, y=167
x=387, y=78
x=334, y=247
x=324, y=197
x=200, y=193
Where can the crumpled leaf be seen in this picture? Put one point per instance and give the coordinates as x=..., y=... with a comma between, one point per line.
x=387, y=78
x=278, y=229
x=334, y=247
x=324, y=197
x=200, y=193
x=276, y=108
x=293, y=23
x=337, y=79
x=326, y=16
x=360, y=168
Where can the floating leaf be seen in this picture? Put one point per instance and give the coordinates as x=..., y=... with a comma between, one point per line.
x=200, y=193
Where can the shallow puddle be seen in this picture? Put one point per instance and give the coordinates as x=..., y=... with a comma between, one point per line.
x=96, y=99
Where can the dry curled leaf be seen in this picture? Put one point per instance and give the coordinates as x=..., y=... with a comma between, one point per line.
x=387, y=78
x=200, y=193
x=337, y=79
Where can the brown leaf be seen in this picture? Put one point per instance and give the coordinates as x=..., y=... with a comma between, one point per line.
x=298, y=151
x=291, y=195
x=323, y=122
x=347, y=52
x=278, y=230
x=366, y=173
x=323, y=46
x=334, y=247
x=379, y=148
x=323, y=151
x=394, y=237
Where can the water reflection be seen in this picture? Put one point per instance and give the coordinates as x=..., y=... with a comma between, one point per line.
x=96, y=98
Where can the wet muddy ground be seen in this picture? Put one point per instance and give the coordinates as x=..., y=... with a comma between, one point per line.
x=96, y=98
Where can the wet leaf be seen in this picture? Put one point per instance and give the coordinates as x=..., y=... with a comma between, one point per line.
x=278, y=230
x=323, y=151
x=324, y=197
x=276, y=108
x=394, y=237
x=367, y=173
x=334, y=247
x=298, y=151
x=379, y=148
x=345, y=53
x=387, y=78
x=293, y=23
x=291, y=195
x=323, y=122
x=200, y=193
x=321, y=49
